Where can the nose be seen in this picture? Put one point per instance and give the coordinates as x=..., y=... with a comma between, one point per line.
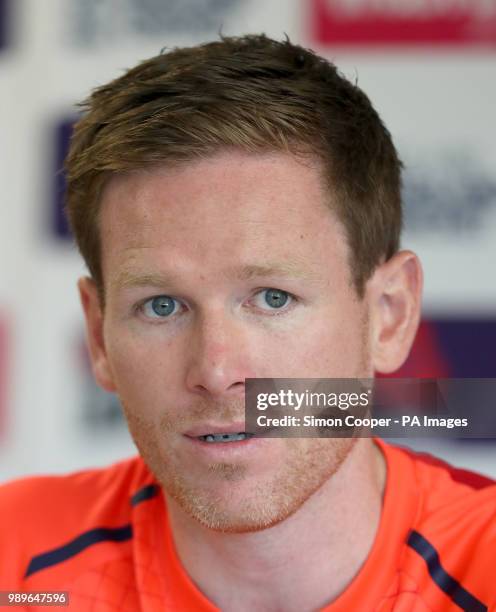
x=219, y=359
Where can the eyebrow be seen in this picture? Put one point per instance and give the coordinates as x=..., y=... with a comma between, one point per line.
x=288, y=269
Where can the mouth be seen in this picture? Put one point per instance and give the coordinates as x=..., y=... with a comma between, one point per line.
x=224, y=442
x=225, y=437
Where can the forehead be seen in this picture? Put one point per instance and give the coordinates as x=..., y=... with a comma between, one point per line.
x=233, y=207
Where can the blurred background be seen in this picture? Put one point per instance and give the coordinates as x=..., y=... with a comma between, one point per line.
x=429, y=68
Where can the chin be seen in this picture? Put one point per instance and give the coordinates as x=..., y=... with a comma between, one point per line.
x=235, y=503
x=232, y=510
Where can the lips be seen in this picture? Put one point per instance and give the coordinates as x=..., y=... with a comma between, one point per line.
x=211, y=441
x=212, y=429
x=226, y=437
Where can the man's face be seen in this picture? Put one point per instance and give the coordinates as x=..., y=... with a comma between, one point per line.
x=218, y=270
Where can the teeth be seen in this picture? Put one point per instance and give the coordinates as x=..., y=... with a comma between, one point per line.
x=226, y=437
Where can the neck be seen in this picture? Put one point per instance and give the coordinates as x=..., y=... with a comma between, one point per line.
x=302, y=563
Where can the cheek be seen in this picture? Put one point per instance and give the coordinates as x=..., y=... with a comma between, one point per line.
x=334, y=347
x=145, y=370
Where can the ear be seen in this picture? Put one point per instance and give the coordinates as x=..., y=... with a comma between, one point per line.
x=395, y=293
x=90, y=301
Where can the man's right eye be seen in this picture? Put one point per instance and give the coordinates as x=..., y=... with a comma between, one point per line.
x=160, y=307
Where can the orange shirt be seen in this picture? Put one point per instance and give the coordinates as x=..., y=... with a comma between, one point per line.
x=99, y=534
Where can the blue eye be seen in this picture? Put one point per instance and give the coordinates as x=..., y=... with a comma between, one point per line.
x=275, y=298
x=161, y=306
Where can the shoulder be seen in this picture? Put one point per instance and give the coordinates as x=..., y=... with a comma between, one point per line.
x=43, y=512
x=451, y=490
x=98, y=488
x=449, y=496
x=452, y=540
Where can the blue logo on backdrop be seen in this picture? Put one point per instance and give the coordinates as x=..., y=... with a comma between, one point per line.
x=451, y=194
x=4, y=32
x=457, y=347
x=105, y=21
x=63, y=133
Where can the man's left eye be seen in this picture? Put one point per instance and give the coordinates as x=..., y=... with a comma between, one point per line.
x=273, y=298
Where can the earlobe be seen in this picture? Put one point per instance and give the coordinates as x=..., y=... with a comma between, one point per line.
x=90, y=302
x=395, y=292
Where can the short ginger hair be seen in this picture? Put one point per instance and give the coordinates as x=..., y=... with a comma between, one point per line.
x=250, y=93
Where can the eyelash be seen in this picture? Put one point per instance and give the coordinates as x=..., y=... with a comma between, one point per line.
x=275, y=312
